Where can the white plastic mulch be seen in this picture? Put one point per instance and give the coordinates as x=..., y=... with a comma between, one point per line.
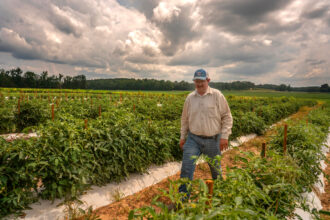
x=102, y=196
x=14, y=136
x=312, y=200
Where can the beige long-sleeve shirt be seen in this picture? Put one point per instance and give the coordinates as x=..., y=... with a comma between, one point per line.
x=206, y=115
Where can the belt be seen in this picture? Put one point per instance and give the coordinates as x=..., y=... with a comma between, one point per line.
x=207, y=137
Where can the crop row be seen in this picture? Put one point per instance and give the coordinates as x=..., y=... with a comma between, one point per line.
x=257, y=187
x=67, y=157
x=18, y=113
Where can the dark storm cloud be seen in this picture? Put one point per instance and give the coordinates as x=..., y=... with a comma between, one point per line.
x=76, y=62
x=138, y=59
x=82, y=6
x=219, y=51
x=63, y=23
x=21, y=53
x=316, y=12
x=243, y=56
x=253, y=10
x=177, y=32
x=40, y=33
x=144, y=6
x=221, y=55
x=245, y=17
x=16, y=45
x=267, y=40
x=285, y=60
x=190, y=60
x=148, y=56
x=314, y=62
x=148, y=51
x=15, y=18
x=255, y=69
x=21, y=48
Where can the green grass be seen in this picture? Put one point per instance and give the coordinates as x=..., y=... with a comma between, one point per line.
x=325, y=97
x=39, y=90
x=175, y=92
x=257, y=93
x=271, y=93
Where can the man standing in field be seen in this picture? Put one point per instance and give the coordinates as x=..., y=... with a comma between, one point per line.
x=206, y=123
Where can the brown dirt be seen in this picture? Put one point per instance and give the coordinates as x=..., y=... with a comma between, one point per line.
x=325, y=198
x=120, y=210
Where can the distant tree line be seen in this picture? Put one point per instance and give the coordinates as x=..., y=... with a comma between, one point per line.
x=138, y=84
x=16, y=78
x=283, y=87
x=162, y=85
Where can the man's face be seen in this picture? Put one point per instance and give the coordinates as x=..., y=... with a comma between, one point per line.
x=201, y=85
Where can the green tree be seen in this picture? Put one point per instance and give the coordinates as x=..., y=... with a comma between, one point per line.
x=324, y=88
x=30, y=79
x=5, y=79
x=16, y=76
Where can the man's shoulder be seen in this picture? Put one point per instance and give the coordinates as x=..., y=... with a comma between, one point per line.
x=217, y=92
x=191, y=94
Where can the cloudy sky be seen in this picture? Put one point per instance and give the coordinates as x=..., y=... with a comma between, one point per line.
x=263, y=41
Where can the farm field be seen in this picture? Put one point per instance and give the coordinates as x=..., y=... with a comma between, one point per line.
x=229, y=162
x=271, y=93
x=251, y=93
x=89, y=139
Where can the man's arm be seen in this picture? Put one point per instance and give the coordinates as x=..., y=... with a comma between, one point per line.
x=226, y=118
x=184, y=123
x=226, y=122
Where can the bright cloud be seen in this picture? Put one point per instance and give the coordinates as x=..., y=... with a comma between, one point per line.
x=165, y=11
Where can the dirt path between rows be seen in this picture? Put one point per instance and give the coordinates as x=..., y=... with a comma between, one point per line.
x=120, y=210
x=325, y=197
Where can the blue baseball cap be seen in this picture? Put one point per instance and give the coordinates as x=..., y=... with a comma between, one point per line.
x=201, y=74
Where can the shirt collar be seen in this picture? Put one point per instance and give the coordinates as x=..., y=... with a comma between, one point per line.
x=208, y=91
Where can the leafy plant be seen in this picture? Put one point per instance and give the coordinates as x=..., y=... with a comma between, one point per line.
x=304, y=147
x=67, y=158
x=30, y=114
x=73, y=211
x=116, y=195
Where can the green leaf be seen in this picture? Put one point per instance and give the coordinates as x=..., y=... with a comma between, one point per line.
x=238, y=200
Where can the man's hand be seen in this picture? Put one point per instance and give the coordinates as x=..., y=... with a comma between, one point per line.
x=182, y=141
x=223, y=144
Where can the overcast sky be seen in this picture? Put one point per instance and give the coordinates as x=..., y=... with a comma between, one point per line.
x=262, y=41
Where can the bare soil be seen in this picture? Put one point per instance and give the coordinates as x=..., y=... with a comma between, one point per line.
x=120, y=210
x=325, y=197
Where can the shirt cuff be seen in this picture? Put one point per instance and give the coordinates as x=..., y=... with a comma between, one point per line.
x=224, y=136
x=182, y=137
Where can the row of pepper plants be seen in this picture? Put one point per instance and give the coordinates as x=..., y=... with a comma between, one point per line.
x=256, y=187
x=35, y=109
x=133, y=132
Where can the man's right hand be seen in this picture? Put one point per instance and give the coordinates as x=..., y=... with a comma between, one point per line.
x=182, y=141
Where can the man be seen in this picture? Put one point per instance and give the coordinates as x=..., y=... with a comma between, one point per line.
x=206, y=123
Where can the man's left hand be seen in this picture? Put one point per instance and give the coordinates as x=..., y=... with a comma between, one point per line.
x=223, y=144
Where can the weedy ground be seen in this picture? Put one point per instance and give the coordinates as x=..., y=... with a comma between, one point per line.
x=120, y=209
